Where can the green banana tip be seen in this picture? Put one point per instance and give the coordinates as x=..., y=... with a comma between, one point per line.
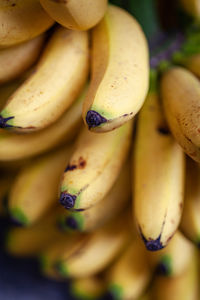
x=114, y=292
x=61, y=268
x=18, y=217
x=164, y=267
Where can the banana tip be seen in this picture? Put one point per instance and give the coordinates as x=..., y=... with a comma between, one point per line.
x=94, y=119
x=67, y=200
x=3, y=122
x=71, y=223
x=108, y=296
x=153, y=245
x=163, y=269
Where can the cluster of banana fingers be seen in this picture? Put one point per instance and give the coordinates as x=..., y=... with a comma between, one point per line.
x=93, y=159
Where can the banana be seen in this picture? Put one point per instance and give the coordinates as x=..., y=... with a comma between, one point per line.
x=35, y=189
x=88, y=288
x=180, y=92
x=158, y=171
x=76, y=15
x=94, y=167
x=192, y=7
x=130, y=274
x=106, y=209
x=21, y=21
x=190, y=222
x=59, y=76
x=94, y=252
x=15, y=146
x=120, y=70
x=172, y=260
x=31, y=241
x=17, y=59
x=184, y=287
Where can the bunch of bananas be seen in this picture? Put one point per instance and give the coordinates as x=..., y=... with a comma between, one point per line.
x=82, y=133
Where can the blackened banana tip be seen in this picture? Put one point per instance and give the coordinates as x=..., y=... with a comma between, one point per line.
x=94, y=119
x=162, y=269
x=108, y=296
x=153, y=245
x=67, y=200
x=3, y=122
x=71, y=223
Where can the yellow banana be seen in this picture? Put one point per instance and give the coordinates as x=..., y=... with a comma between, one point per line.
x=130, y=274
x=173, y=260
x=31, y=241
x=76, y=15
x=22, y=20
x=113, y=203
x=94, y=166
x=184, y=287
x=180, y=92
x=190, y=222
x=55, y=84
x=94, y=252
x=15, y=146
x=90, y=288
x=35, y=188
x=158, y=171
x=17, y=59
x=192, y=7
x=120, y=70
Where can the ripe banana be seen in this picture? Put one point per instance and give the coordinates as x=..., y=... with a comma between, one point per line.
x=120, y=70
x=130, y=274
x=192, y=7
x=76, y=15
x=15, y=146
x=31, y=241
x=90, y=288
x=95, y=251
x=35, y=189
x=172, y=260
x=94, y=167
x=111, y=205
x=180, y=92
x=17, y=59
x=57, y=81
x=190, y=221
x=21, y=21
x=158, y=171
x=184, y=287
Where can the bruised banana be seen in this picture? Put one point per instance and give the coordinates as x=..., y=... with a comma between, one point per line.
x=51, y=89
x=90, y=288
x=94, y=252
x=17, y=59
x=120, y=70
x=190, y=221
x=192, y=7
x=15, y=146
x=21, y=21
x=94, y=166
x=158, y=171
x=172, y=260
x=112, y=204
x=184, y=287
x=180, y=92
x=36, y=186
x=31, y=241
x=76, y=15
x=130, y=274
